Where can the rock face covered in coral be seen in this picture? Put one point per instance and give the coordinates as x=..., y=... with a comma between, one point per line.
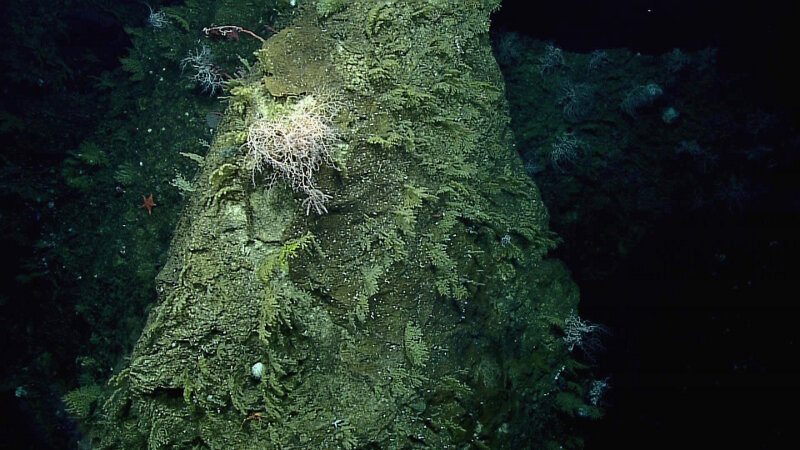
x=415, y=309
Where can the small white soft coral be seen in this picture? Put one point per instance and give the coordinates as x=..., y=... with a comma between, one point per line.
x=294, y=146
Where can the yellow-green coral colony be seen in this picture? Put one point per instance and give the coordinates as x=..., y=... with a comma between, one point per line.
x=387, y=317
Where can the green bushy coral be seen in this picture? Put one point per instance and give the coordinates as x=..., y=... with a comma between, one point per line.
x=327, y=7
x=368, y=340
x=81, y=402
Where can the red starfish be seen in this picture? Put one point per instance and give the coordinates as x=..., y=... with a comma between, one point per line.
x=148, y=204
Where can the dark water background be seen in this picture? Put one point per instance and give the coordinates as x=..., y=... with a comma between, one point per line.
x=703, y=309
x=700, y=300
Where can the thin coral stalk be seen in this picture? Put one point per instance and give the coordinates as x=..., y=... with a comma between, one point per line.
x=230, y=32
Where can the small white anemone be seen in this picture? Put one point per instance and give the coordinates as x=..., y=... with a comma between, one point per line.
x=258, y=370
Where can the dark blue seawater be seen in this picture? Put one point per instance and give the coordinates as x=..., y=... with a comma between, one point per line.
x=680, y=230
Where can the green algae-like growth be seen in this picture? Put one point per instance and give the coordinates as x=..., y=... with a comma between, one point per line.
x=416, y=309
